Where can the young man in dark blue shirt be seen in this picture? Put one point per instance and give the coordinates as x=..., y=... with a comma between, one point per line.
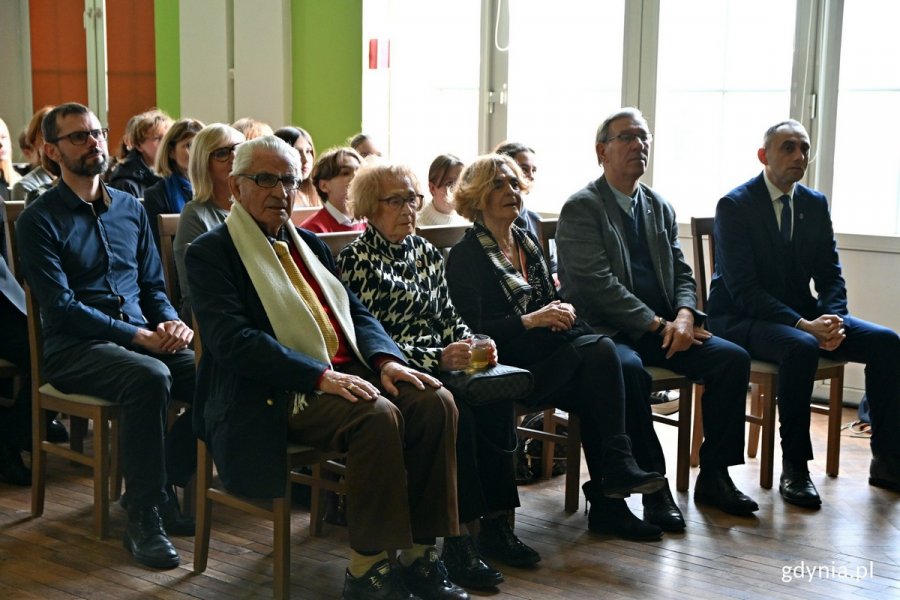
x=109, y=331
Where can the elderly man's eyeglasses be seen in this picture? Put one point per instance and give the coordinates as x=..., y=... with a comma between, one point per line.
x=414, y=201
x=627, y=138
x=80, y=138
x=224, y=154
x=268, y=181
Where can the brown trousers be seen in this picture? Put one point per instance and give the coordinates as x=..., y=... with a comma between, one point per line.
x=401, y=460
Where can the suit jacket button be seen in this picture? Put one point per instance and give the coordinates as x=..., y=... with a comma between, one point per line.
x=270, y=402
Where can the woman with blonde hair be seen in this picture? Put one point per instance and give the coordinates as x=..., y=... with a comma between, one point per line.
x=135, y=174
x=211, y=160
x=170, y=194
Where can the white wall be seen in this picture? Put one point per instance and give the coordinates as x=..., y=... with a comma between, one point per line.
x=15, y=69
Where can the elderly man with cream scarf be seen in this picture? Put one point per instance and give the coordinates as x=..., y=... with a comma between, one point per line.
x=290, y=353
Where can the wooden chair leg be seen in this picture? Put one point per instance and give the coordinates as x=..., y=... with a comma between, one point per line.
x=755, y=410
x=683, y=463
x=38, y=459
x=101, y=474
x=767, y=457
x=316, y=503
x=281, y=545
x=547, y=447
x=697, y=438
x=115, y=460
x=204, y=508
x=835, y=408
x=573, y=464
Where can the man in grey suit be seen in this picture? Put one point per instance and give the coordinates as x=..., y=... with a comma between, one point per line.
x=621, y=265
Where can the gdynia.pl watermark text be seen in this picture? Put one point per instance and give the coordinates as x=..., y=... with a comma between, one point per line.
x=808, y=572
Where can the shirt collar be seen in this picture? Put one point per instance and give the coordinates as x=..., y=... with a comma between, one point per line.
x=774, y=192
x=625, y=202
x=73, y=200
x=338, y=215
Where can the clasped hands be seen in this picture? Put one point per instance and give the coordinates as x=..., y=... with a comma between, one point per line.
x=353, y=388
x=827, y=329
x=168, y=338
x=556, y=316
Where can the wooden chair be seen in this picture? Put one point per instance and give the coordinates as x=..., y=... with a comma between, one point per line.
x=443, y=237
x=11, y=212
x=764, y=377
x=302, y=213
x=278, y=510
x=104, y=414
x=336, y=241
x=168, y=226
x=549, y=438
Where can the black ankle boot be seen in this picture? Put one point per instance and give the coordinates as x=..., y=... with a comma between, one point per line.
x=611, y=516
x=465, y=565
x=147, y=541
x=621, y=474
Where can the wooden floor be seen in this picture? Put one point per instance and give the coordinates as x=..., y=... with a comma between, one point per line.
x=848, y=549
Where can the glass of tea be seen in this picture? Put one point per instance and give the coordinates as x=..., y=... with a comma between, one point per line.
x=480, y=349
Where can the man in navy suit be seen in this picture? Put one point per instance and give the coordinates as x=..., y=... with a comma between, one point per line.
x=290, y=353
x=773, y=236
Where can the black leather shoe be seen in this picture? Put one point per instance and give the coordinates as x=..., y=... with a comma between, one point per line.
x=660, y=509
x=714, y=487
x=147, y=541
x=611, y=516
x=497, y=541
x=174, y=522
x=796, y=487
x=12, y=469
x=621, y=474
x=427, y=578
x=56, y=432
x=465, y=566
x=884, y=472
x=378, y=583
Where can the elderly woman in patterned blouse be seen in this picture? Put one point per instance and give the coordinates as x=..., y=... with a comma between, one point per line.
x=400, y=278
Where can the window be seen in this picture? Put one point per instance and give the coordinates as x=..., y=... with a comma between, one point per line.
x=565, y=76
x=723, y=77
x=866, y=191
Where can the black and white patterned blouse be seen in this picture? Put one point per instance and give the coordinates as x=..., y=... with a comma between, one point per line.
x=403, y=286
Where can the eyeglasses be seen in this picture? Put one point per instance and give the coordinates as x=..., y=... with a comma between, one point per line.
x=627, y=138
x=225, y=154
x=79, y=138
x=414, y=201
x=268, y=181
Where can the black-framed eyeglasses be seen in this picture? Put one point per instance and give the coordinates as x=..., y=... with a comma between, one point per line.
x=414, y=201
x=268, y=180
x=224, y=154
x=627, y=138
x=80, y=138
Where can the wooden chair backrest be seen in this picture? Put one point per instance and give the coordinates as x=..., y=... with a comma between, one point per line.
x=11, y=211
x=547, y=232
x=35, y=338
x=443, y=237
x=302, y=213
x=704, y=251
x=168, y=225
x=338, y=240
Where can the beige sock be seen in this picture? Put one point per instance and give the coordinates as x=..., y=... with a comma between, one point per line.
x=409, y=555
x=361, y=563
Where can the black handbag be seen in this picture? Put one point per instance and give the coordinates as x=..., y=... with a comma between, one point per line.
x=500, y=382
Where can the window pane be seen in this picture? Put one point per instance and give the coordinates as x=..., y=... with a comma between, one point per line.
x=433, y=89
x=724, y=76
x=565, y=76
x=866, y=192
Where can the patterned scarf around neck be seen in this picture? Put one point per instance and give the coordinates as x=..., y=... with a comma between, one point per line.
x=525, y=294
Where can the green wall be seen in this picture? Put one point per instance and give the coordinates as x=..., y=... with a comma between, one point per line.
x=168, y=57
x=327, y=69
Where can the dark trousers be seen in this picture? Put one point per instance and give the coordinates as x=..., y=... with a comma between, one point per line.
x=401, y=460
x=143, y=385
x=15, y=421
x=797, y=354
x=723, y=368
x=485, y=459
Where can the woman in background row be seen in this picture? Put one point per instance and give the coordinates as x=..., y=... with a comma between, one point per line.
x=301, y=141
x=8, y=177
x=135, y=174
x=211, y=159
x=331, y=177
x=501, y=284
x=365, y=145
x=442, y=176
x=38, y=179
x=169, y=195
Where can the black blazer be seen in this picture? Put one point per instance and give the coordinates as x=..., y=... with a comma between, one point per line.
x=753, y=279
x=246, y=379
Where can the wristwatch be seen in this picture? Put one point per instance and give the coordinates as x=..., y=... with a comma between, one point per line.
x=661, y=325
